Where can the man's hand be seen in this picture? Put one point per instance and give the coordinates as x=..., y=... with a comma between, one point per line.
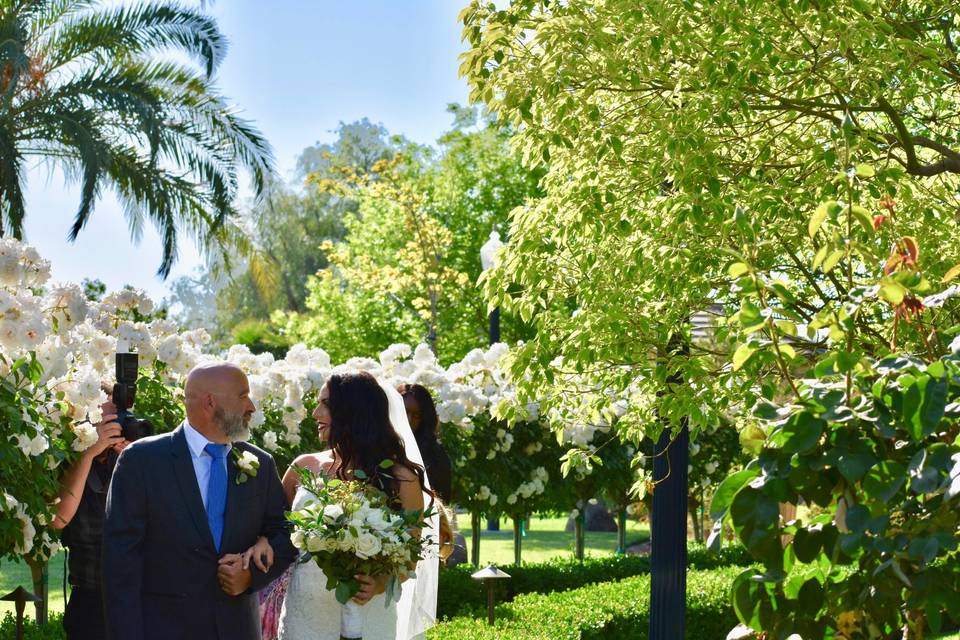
x=234, y=579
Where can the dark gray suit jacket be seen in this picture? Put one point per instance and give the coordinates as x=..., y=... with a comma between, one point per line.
x=159, y=560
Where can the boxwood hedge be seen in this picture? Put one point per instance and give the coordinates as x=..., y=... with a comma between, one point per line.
x=601, y=611
x=459, y=594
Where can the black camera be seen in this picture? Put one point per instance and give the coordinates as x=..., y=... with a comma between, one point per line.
x=124, y=392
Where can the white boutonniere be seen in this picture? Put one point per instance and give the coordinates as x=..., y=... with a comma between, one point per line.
x=247, y=465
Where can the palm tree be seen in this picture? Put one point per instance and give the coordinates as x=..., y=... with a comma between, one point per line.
x=123, y=97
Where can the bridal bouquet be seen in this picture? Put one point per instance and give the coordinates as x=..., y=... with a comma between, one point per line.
x=349, y=529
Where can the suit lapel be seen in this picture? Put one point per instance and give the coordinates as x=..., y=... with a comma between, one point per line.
x=187, y=479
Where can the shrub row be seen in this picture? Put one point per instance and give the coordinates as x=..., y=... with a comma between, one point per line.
x=52, y=631
x=459, y=594
x=601, y=611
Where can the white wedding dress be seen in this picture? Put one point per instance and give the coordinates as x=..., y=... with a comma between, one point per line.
x=311, y=612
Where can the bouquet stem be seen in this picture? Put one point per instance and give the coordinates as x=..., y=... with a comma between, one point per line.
x=351, y=621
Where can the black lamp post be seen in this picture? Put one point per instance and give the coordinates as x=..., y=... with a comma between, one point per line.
x=20, y=597
x=489, y=576
x=488, y=259
x=668, y=553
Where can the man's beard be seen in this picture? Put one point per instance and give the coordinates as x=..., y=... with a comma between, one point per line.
x=235, y=426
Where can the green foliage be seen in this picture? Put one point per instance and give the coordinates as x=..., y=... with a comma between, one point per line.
x=606, y=610
x=123, y=97
x=260, y=337
x=461, y=595
x=501, y=460
x=53, y=630
x=285, y=230
x=788, y=171
x=28, y=477
x=685, y=146
x=406, y=269
x=158, y=400
x=886, y=467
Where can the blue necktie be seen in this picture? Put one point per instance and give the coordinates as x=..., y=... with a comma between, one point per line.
x=216, y=491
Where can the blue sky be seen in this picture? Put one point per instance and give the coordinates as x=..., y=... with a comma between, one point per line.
x=296, y=68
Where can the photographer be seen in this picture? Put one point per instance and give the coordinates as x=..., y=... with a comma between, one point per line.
x=83, y=499
x=80, y=513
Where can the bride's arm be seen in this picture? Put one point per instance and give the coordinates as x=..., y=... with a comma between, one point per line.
x=410, y=493
x=291, y=479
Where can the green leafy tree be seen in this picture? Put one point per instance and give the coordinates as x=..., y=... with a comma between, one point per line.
x=795, y=165
x=284, y=231
x=99, y=90
x=672, y=144
x=413, y=245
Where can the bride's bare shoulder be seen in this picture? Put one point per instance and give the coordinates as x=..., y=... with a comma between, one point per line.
x=315, y=462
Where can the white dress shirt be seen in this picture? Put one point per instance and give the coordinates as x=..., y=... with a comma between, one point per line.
x=202, y=460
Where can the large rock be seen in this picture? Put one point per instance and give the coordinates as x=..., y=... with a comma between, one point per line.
x=597, y=518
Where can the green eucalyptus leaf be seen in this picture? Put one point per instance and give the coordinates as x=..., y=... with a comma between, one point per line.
x=728, y=489
x=819, y=215
x=801, y=432
x=741, y=355
x=884, y=480
x=807, y=544
x=854, y=466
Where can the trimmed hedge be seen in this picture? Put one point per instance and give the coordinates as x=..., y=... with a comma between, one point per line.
x=52, y=631
x=602, y=612
x=459, y=594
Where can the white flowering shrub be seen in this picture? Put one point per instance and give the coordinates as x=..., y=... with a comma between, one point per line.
x=57, y=354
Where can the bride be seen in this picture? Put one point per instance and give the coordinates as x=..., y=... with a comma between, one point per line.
x=365, y=423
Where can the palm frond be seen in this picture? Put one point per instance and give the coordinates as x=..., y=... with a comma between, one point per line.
x=97, y=93
x=11, y=193
x=133, y=31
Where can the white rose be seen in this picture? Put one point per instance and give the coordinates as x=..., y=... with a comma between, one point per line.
x=269, y=439
x=145, y=306
x=32, y=446
x=248, y=463
x=368, y=545
x=297, y=539
x=86, y=437
x=314, y=544
x=331, y=512
x=347, y=542
x=376, y=521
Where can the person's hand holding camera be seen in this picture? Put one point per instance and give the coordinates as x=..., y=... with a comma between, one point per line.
x=109, y=432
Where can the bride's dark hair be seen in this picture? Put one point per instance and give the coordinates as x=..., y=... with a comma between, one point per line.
x=361, y=432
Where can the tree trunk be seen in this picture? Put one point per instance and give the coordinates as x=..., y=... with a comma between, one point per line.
x=517, y=539
x=695, y=520
x=39, y=572
x=578, y=532
x=475, y=540
x=434, y=314
x=622, y=531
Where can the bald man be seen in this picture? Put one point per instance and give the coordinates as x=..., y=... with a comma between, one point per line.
x=179, y=513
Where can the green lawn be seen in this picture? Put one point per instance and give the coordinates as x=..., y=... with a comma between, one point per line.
x=546, y=539
x=13, y=575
